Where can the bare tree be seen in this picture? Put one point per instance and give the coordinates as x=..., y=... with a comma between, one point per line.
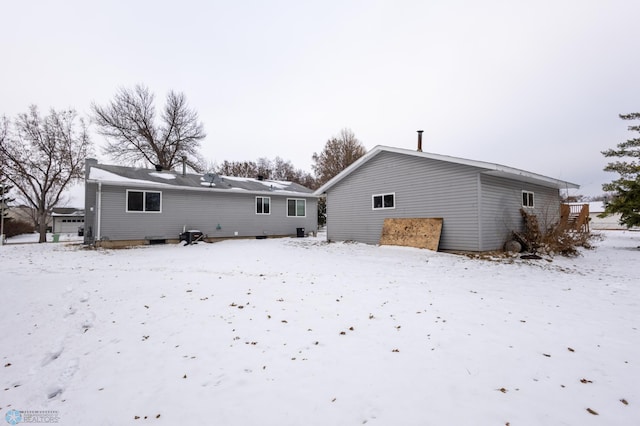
x=278, y=169
x=338, y=153
x=305, y=179
x=264, y=168
x=129, y=123
x=42, y=156
x=284, y=170
x=4, y=188
x=4, y=131
x=237, y=168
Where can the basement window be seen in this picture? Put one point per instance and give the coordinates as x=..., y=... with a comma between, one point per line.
x=296, y=208
x=383, y=201
x=527, y=199
x=263, y=205
x=144, y=201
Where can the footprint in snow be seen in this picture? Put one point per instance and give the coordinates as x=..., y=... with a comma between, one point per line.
x=65, y=376
x=88, y=321
x=70, y=370
x=53, y=355
x=53, y=392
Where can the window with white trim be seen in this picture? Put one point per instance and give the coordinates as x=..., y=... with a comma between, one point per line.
x=263, y=205
x=296, y=207
x=383, y=201
x=144, y=201
x=527, y=199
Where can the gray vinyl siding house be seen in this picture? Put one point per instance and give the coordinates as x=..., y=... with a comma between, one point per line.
x=127, y=206
x=479, y=202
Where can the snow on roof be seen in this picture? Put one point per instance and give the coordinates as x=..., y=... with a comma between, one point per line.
x=76, y=213
x=163, y=175
x=269, y=184
x=121, y=176
x=98, y=174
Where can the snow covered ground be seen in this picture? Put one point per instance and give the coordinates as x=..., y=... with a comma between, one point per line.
x=34, y=237
x=299, y=331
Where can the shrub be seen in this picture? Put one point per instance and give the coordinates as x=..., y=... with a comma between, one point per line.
x=13, y=227
x=557, y=239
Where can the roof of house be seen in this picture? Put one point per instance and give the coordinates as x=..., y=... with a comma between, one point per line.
x=487, y=169
x=211, y=182
x=67, y=212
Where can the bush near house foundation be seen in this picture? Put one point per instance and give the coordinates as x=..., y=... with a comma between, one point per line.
x=559, y=238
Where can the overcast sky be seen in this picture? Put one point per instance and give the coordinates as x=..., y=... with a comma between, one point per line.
x=536, y=85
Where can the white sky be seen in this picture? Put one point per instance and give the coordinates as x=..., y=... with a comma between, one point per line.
x=536, y=85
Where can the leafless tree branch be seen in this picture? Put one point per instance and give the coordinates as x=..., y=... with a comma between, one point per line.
x=133, y=135
x=339, y=152
x=42, y=156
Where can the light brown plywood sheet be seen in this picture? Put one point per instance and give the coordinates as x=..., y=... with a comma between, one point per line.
x=412, y=232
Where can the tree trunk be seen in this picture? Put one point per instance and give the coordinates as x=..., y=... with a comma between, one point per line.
x=42, y=227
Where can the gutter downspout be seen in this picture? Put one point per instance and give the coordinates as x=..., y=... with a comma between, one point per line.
x=98, y=211
x=479, y=212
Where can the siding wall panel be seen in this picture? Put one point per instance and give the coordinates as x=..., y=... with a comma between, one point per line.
x=423, y=188
x=501, y=204
x=203, y=211
x=479, y=211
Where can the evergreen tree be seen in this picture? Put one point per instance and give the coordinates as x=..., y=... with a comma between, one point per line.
x=625, y=189
x=5, y=199
x=4, y=203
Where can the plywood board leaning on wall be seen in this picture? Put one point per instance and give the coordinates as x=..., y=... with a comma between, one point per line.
x=412, y=232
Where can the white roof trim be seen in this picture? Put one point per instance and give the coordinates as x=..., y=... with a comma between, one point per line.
x=490, y=169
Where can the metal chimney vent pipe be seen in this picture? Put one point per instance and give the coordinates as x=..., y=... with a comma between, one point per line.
x=184, y=165
x=420, y=140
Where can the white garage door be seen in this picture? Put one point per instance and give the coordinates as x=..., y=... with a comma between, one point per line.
x=67, y=225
